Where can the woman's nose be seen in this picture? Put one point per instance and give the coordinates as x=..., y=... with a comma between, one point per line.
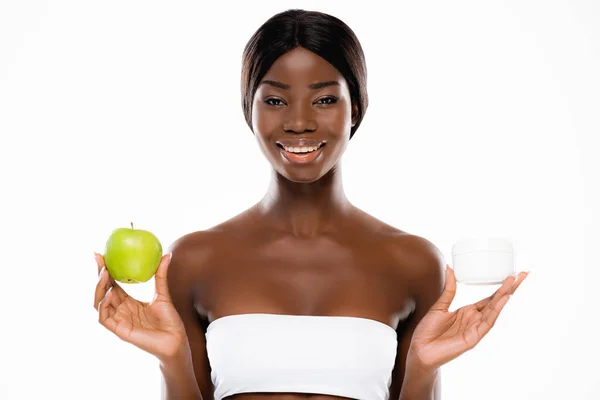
x=300, y=118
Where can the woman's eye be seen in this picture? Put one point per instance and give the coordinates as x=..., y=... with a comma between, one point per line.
x=327, y=100
x=274, y=102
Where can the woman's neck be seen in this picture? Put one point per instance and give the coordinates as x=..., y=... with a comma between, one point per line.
x=305, y=209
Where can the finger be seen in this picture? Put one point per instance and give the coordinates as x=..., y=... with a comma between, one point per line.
x=102, y=266
x=502, y=290
x=506, y=285
x=119, y=292
x=102, y=287
x=105, y=282
x=160, y=279
x=481, y=304
x=106, y=311
x=490, y=315
x=99, y=262
x=445, y=299
x=493, y=307
x=520, y=278
x=501, y=296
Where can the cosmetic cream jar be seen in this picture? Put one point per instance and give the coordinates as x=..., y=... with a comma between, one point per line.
x=483, y=261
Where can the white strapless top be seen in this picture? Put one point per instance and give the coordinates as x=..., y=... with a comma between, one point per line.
x=330, y=355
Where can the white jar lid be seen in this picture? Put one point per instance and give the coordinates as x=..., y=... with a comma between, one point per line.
x=474, y=245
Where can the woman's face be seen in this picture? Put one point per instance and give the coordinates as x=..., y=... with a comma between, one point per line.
x=302, y=115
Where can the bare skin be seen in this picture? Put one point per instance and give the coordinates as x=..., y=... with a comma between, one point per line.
x=304, y=249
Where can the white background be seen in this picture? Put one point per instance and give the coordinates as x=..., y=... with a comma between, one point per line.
x=483, y=120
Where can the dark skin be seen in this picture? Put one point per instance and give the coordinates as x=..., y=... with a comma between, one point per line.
x=304, y=249
x=358, y=266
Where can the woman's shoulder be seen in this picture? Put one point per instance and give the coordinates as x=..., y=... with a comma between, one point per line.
x=420, y=264
x=194, y=250
x=413, y=256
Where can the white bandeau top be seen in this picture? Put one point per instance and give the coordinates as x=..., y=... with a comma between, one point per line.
x=330, y=355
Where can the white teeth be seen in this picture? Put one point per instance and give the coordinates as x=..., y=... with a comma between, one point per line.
x=300, y=149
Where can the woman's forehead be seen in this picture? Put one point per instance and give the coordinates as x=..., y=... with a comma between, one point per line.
x=302, y=67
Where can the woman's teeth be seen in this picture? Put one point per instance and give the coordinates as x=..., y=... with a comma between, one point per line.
x=300, y=149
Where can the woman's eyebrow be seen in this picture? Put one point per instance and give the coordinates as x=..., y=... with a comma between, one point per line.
x=285, y=86
x=323, y=84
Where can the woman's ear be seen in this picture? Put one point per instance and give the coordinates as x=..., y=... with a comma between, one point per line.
x=354, y=114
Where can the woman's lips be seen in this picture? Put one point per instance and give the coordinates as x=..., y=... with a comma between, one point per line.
x=300, y=143
x=301, y=158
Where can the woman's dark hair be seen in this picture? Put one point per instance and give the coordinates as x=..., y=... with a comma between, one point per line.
x=323, y=34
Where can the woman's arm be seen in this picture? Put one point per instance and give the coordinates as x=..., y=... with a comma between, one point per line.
x=425, y=272
x=421, y=383
x=179, y=380
x=440, y=336
x=187, y=374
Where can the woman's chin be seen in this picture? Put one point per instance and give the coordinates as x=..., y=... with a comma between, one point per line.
x=301, y=175
x=302, y=178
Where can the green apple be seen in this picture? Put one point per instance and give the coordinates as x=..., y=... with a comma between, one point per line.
x=132, y=255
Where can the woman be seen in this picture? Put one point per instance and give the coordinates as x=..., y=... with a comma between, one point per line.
x=303, y=293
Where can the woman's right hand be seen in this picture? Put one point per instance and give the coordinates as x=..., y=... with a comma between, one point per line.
x=154, y=327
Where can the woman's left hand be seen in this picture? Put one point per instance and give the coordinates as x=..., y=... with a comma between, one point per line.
x=442, y=336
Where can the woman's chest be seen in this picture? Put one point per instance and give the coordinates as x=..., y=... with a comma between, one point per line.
x=306, y=278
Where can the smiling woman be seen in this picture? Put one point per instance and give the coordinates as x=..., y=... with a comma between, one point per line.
x=303, y=127
x=323, y=35
x=319, y=298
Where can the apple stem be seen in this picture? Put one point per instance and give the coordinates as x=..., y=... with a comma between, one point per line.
x=131, y=225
